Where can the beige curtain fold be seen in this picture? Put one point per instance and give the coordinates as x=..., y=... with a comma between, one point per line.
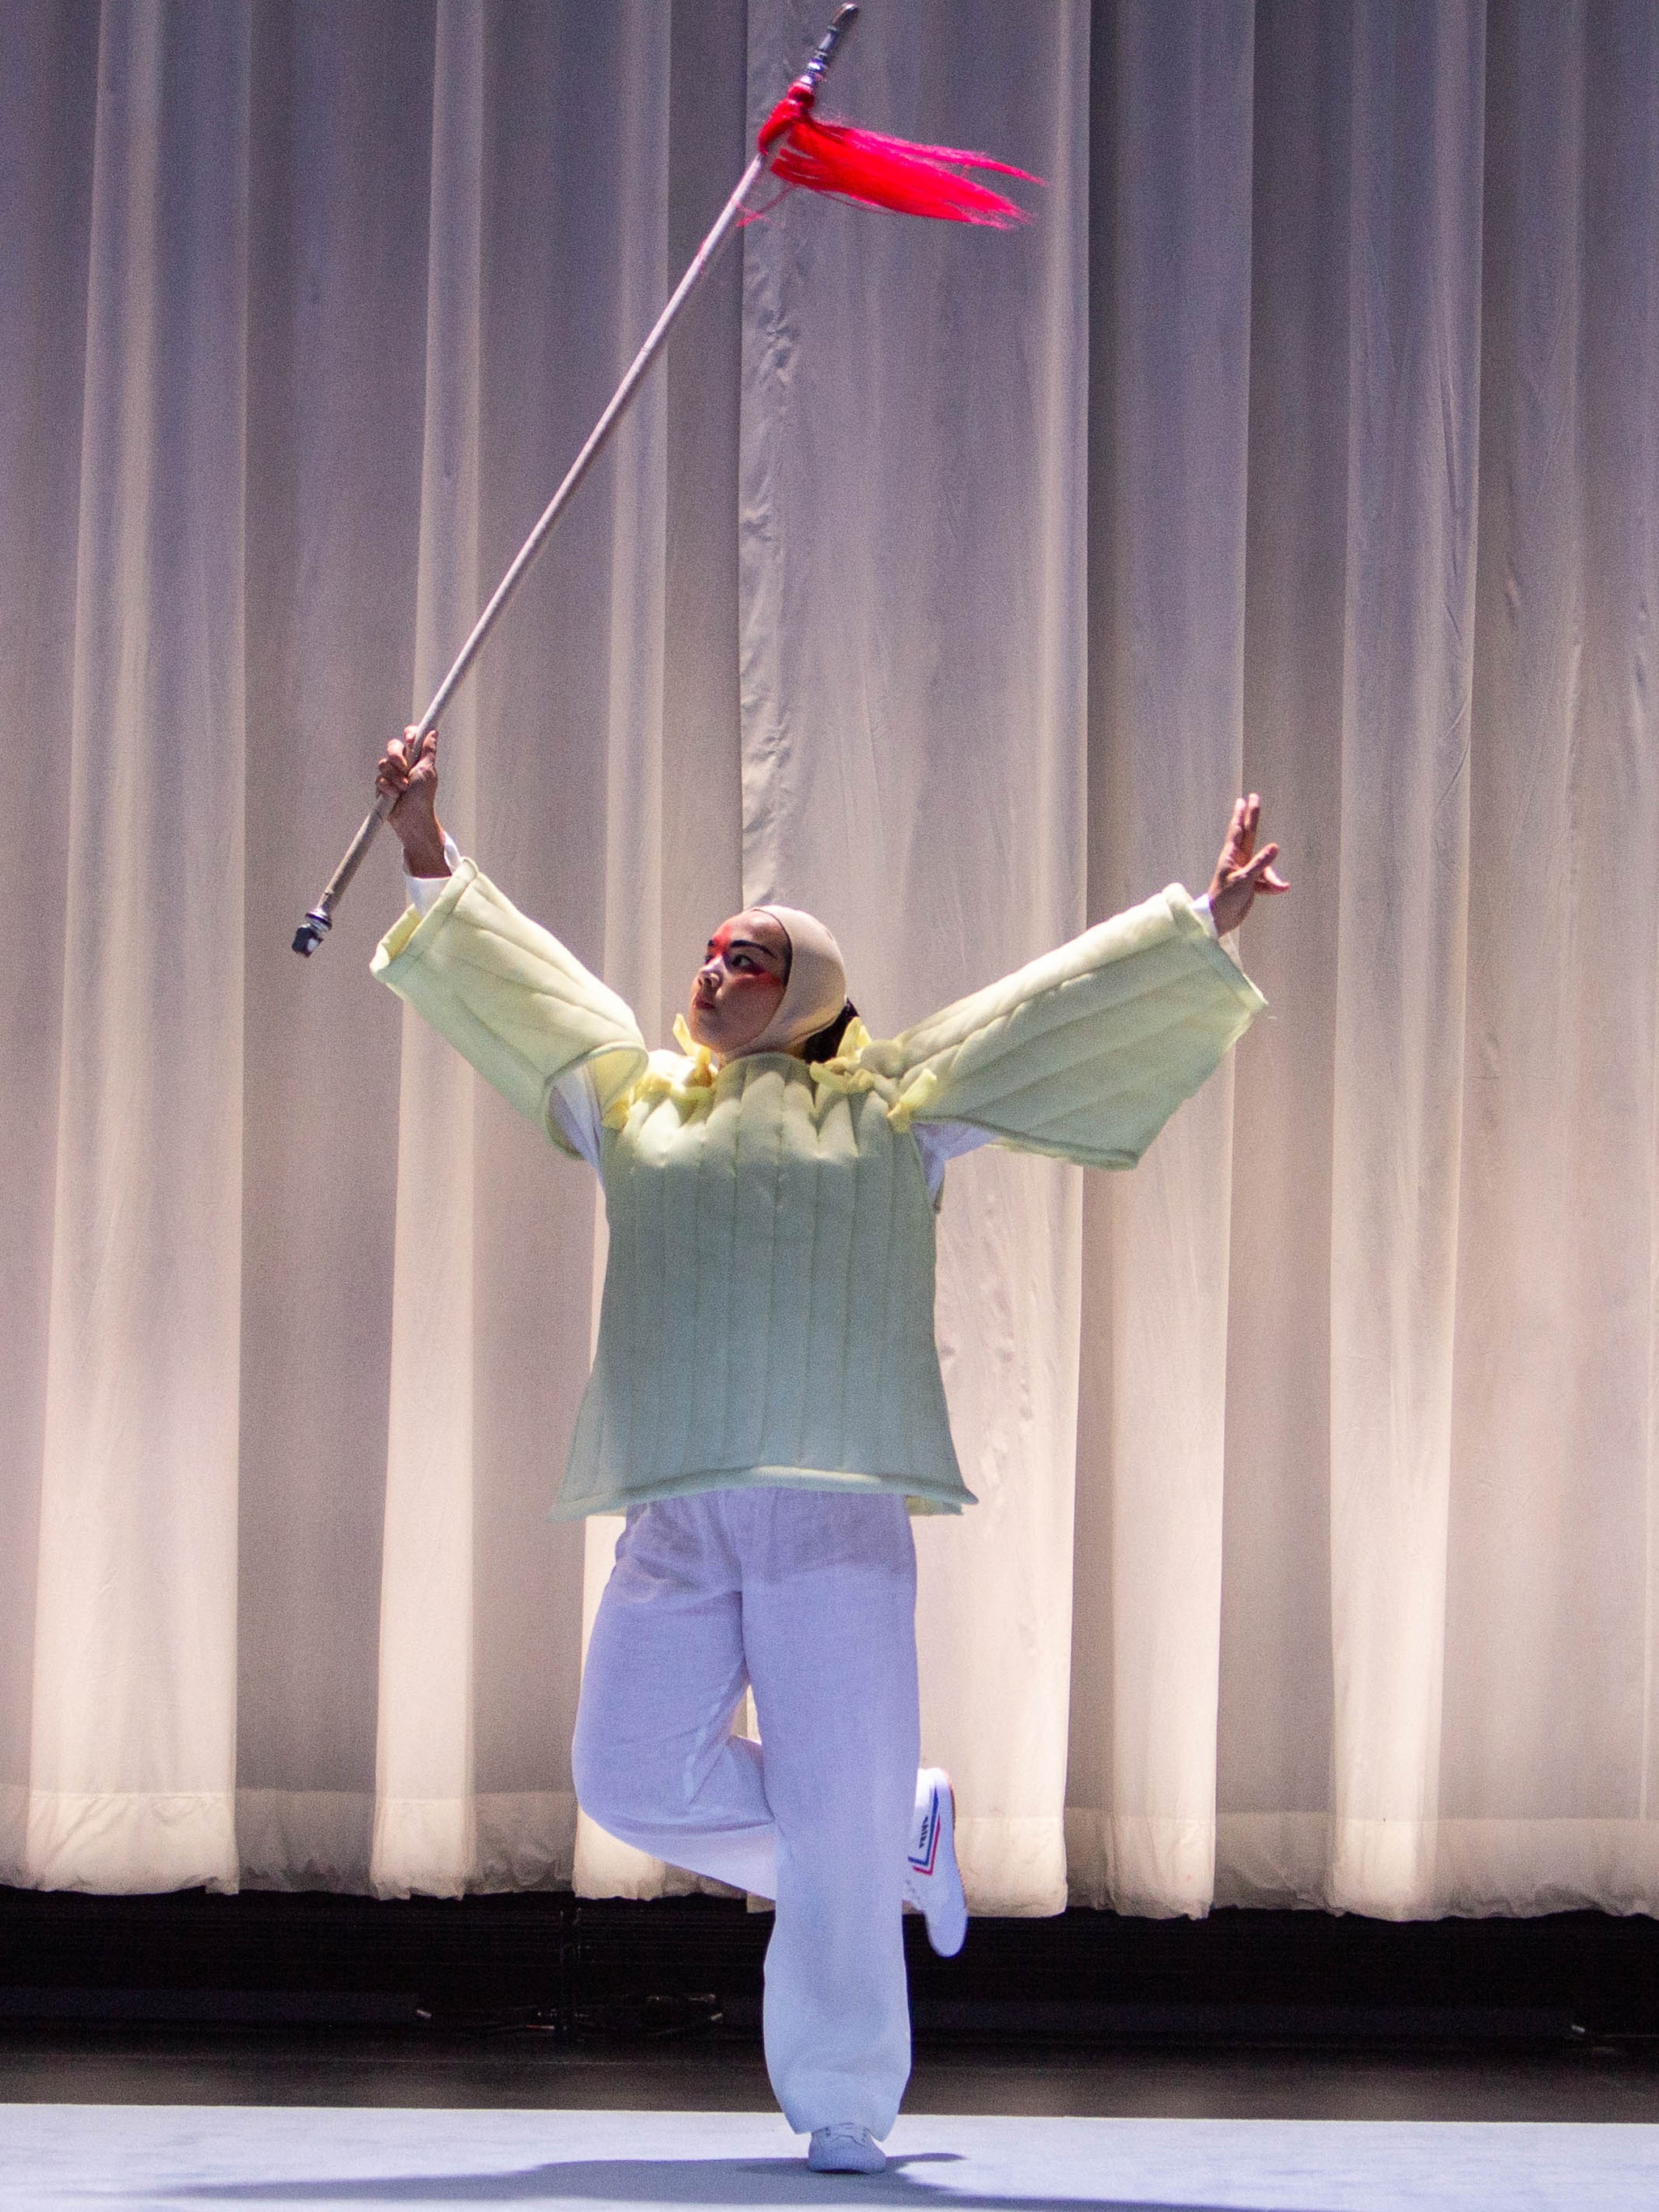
x=1550, y=1578
x=132, y=1740
x=1169, y=274
x=1369, y=532
x=341, y=124
x=1413, y=473
x=1439, y=1490
x=43, y=325
x=425, y=1820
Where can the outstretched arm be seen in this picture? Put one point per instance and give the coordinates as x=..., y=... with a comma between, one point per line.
x=1086, y=1051
x=1240, y=873
x=549, y=1035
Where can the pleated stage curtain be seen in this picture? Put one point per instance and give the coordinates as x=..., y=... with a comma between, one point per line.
x=949, y=583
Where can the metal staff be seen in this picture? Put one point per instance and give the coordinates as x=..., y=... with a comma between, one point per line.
x=316, y=925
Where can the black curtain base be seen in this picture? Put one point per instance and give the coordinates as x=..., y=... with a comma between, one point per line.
x=546, y=1963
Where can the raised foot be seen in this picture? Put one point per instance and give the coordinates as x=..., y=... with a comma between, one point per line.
x=932, y=1882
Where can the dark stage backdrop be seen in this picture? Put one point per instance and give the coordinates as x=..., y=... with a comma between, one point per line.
x=948, y=583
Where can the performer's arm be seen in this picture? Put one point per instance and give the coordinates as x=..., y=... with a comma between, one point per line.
x=574, y=1101
x=424, y=892
x=941, y=1142
x=1086, y=1052
x=556, y=1042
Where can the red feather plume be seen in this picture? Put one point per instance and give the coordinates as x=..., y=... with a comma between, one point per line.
x=875, y=170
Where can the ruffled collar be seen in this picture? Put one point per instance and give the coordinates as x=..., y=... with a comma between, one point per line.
x=691, y=1080
x=705, y=1065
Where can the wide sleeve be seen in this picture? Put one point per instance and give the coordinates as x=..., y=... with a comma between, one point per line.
x=510, y=999
x=1085, y=1052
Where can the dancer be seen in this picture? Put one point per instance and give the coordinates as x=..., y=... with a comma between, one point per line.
x=766, y=1403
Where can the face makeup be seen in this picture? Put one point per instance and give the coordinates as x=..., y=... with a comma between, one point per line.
x=739, y=984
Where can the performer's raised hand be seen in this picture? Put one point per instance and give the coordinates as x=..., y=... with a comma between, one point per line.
x=1241, y=871
x=408, y=768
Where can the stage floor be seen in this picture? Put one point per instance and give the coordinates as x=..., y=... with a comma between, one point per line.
x=199, y=2156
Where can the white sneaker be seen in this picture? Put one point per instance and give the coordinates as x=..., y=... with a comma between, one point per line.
x=932, y=1882
x=843, y=2148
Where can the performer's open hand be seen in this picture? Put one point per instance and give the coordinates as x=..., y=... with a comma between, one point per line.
x=1241, y=871
x=408, y=768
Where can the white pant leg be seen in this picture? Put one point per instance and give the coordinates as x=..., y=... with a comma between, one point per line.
x=812, y=1596
x=829, y=1629
x=654, y=1758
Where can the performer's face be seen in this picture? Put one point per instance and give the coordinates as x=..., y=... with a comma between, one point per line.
x=740, y=982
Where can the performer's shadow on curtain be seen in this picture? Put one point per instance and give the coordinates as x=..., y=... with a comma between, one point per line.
x=711, y=2181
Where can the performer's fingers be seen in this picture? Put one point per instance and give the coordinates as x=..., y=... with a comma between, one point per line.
x=1263, y=873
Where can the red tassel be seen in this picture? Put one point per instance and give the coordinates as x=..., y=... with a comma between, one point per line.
x=878, y=172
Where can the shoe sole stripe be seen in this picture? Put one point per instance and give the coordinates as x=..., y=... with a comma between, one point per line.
x=930, y=1836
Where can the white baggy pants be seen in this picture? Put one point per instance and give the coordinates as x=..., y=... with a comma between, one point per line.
x=809, y=1597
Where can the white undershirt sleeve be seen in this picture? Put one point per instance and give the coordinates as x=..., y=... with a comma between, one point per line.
x=941, y=1142
x=575, y=1105
x=1228, y=944
x=424, y=890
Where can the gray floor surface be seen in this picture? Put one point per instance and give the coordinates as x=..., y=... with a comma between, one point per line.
x=180, y=2156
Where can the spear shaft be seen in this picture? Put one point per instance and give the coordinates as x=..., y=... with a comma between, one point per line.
x=317, y=923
